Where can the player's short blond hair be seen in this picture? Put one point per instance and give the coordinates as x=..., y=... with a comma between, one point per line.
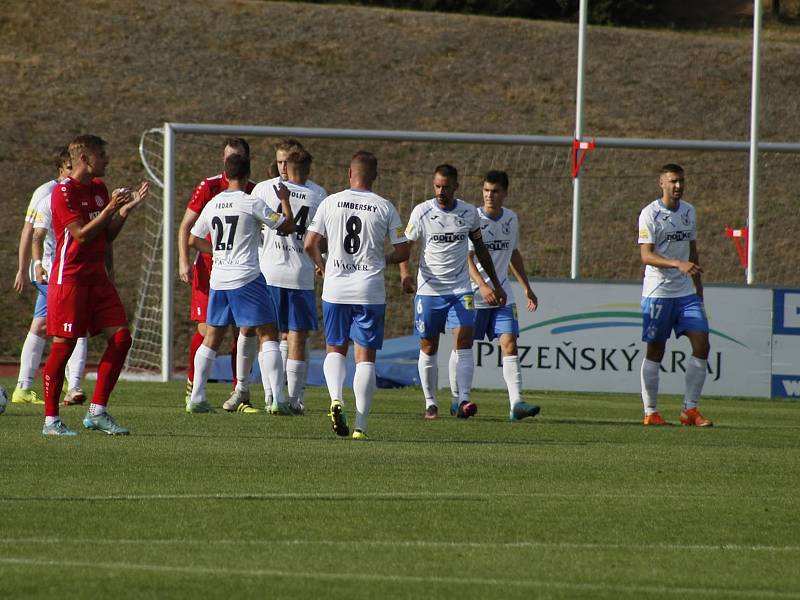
x=85, y=142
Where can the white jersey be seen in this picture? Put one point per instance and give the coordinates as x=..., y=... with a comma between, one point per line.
x=670, y=232
x=356, y=223
x=234, y=218
x=443, y=235
x=41, y=217
x=501, y=237
x=283, y=261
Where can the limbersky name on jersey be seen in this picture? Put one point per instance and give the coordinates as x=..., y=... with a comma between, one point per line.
x=357, y=206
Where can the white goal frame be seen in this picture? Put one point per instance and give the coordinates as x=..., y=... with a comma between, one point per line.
x=171, y=130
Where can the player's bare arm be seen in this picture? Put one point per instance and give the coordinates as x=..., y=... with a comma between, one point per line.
x=518, y=268
x=651, y=258
x=200, y=244
x=37, y=252
x=282, y=192
x=25, y=237
x=406, y=279
x=694, y=258
x=399, y=255
x=486, y=292
x=86, y=232
x=184, y=231
x=312, y=244
x=483, y=256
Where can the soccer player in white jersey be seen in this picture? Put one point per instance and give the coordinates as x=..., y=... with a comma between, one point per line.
x=500, y=232
x=672, y=294
x=37, y=242
x=238, y=292
x=283, y=149
x=290, y=273
x=443, y=225
x=355, y=223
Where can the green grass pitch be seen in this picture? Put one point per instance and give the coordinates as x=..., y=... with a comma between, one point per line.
x=581, y=502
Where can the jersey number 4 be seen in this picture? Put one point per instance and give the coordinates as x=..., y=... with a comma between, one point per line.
x=219, y=231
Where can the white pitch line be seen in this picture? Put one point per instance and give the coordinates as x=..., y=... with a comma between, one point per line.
x=378, y=496
x=407, y=544
x=409, y=579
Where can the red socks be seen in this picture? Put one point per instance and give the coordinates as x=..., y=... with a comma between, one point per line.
x=53, y=375
x=111, y=365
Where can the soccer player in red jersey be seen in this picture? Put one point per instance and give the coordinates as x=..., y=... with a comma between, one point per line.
x=199, y=272
x=81, y=298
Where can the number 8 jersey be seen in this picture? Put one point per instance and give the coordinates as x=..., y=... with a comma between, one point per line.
x=234, y=220
x=356, y=223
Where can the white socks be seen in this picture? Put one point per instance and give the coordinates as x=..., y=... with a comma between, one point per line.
x=29, y=360
x=295, y=378
x=272, y=374
x=513, y=376
x=649, y=378
x=428, y=377
x=96, y=409
x=451, y=371
x=203, y=362
x=364, y=390
x=465, y=369
x=77, y=363
x=246, y=350
x=695, y=378
x=335, y=369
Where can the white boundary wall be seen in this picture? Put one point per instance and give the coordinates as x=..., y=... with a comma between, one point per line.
x=587, y=337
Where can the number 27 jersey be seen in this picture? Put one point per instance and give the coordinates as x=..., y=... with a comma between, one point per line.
x=234, y=220
x=356, y=223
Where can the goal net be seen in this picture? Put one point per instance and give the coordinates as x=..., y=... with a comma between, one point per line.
x=616, y=184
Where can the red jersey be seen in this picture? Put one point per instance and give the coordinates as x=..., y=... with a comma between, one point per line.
x=77, y=263
x=203, y=193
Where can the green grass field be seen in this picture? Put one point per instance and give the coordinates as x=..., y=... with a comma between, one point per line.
x=580, y=502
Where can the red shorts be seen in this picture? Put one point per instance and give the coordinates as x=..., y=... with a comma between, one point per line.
x=73, y=310
x=201, y=284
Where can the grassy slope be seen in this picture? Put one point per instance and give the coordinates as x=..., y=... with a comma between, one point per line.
x=119, y=67
x=581, y=502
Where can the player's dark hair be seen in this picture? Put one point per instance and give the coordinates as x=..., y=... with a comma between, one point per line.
x=446, y=170
x=61, y=157
x=671, y=168
x=300, y=157
x=237, y=167
x=288, y=145
x=239, y=144
x=85, y=142
x=500, y=177
x=365, y=165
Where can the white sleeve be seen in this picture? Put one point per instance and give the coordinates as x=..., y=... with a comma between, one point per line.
x=474, y=219
x=396, y=233
x=693, y=218
x=647, y=233
x=413, y=229
x=515, y=242
x=43, y=217
x=318, y=222
x=266, y=215
x=200, y=229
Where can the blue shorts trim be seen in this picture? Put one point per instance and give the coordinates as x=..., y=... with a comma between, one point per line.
x=40, y=308
x=297, y=309
x=495, y=321
x=661, y=316
x=362, y=323
x=247, y=306
x=432, y=314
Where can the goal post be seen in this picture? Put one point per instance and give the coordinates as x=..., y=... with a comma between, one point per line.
x=542, y=186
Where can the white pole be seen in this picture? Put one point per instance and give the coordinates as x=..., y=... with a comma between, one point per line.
x=576, y=182
x=753, y=188
x=167, y=257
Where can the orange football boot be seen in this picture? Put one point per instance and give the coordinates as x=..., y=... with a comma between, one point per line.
x=655, y=419
x=692, y=417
